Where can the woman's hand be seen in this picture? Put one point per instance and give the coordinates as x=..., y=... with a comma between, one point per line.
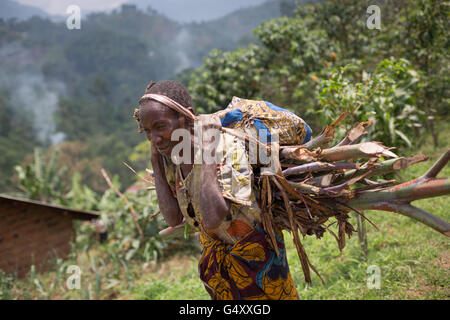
x=167, y=203
x=210, y=125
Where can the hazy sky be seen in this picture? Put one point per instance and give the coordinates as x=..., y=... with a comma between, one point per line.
x=59, y=7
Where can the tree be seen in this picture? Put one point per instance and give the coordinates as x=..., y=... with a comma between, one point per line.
x=425, y=42
x=283, y=69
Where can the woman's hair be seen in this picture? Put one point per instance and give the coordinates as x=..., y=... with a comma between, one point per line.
x=169, y=88
x=172, y=89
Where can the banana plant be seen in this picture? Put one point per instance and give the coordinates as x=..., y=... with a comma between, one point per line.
x=42, y=180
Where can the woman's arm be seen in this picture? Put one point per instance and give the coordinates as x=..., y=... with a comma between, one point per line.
x=213, y=205
x=167, y=203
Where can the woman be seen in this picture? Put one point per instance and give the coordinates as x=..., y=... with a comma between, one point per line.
x=217, y=199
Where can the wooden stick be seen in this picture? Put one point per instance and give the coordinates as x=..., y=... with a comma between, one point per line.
x=267, y=217
x=134, y=171
x=133, y=212
x=417, y=214
x=173, y=232
x=300, y=250
x=356, y=151
x=404, y=192
x=383, y=167
x=326, y=135
x=317, y=167
x=437, y=166
x=354, y=134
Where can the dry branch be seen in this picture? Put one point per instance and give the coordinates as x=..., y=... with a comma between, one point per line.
x=133, y=212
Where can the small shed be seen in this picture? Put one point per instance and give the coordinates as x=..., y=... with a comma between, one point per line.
x=33, y=231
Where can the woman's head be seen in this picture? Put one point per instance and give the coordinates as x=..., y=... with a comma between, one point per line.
x=157, y=120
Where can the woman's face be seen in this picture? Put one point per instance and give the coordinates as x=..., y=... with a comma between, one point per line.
x=158, y=122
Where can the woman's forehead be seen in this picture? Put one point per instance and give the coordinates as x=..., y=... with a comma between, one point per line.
x=154, y=110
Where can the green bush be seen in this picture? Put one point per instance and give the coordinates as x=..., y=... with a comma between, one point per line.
x=387, y=97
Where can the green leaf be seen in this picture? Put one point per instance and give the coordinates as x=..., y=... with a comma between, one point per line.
x=404, y=137
x=135, y=243
x=186, y=230
x=130, y=254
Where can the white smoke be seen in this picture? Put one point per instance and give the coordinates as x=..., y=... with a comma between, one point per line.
x=182, y=39
x=30, y=90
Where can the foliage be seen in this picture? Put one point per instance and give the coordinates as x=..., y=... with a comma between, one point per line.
x=80, y=196
x=344, y=22
x=283, y=63
x=112, y=265
x=140, y=156
x=79, y=160
x=415, y=30
x=16, y=139
x=282, y=70
x=104, y=68
x=123, y=237
x=226, y=33
x=298, y=52
x=387, y=97
x=5, y=285
x=42, y=180
x=425, y=43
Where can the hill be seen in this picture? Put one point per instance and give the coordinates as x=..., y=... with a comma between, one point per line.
x=84, y=83
x=10, y=9
x=226, y=33
x=195, y=10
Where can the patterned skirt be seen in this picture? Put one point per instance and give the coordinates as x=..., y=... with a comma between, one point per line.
x=246, y=270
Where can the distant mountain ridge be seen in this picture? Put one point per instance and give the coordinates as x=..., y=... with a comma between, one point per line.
x=194, y=10
x=10, y=9
x=228, y=32
x=181, y=11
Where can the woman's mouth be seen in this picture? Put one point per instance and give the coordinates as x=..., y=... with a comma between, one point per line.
x=162, y=149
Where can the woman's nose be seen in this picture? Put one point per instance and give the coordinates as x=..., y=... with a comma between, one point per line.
x=155, y=139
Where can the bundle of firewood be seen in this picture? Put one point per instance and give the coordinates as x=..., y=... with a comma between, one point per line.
x=315, y=186
x=314, y=183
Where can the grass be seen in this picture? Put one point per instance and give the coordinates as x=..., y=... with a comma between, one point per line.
x=413, y=261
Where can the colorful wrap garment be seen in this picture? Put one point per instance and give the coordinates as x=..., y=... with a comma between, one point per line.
x=247, y=270
x=238, y=261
